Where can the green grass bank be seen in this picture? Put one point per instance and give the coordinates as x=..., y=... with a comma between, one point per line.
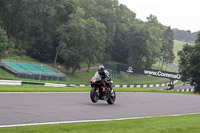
x=167, y=124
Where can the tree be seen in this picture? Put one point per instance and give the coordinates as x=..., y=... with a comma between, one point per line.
x=125, y=19
x=137, y=43
x=3, y=42
x=4, y=9
x=137, y=47
x=41, y=29
x=198, y=38
x=155, y=44
x=105, y=12
x=94, y=44
x=86, y=41
x=124, y=15
x=14, y=22
x=167, y=54
x=89, y=7
x=189, y=64
x=44, y=19
x=63, y=37
x=185, y=36
x=71, y=54
x=184, y=62
x=120, y=50
x=72, y=32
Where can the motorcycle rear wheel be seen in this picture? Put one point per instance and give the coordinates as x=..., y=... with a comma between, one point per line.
x=94, y=95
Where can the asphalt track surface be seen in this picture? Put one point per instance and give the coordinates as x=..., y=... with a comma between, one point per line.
x=29, y=108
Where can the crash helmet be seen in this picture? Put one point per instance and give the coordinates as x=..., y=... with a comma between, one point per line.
x=101, y=70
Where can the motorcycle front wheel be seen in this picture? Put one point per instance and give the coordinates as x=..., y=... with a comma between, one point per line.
x=94, y=95
x=112, y=99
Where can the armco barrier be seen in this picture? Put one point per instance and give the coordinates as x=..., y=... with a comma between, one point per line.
x=184, y=90
x=32, y=83
x=15, y=82
x=10, y=82
x=55, y=85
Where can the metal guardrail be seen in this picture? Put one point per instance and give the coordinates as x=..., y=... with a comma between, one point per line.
x=17, y=83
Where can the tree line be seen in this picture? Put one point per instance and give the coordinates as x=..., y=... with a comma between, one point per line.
x=185, y=36
x=72, y=32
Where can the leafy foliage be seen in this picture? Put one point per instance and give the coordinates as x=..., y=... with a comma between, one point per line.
x=72, y=32
x=185, y=36
x=3, y=42
x=190, y=63
x=167, y=54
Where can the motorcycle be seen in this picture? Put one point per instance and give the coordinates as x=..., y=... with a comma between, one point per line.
x=100, y=91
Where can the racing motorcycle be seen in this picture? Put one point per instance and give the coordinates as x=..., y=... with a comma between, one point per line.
x=100, y=91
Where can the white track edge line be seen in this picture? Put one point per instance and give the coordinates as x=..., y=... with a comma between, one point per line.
x=39, y=92
x=58, y=92
x=65, y=122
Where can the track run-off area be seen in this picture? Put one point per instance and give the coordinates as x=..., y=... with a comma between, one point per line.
x=20, y=109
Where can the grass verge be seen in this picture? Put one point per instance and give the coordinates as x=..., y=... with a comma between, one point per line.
x=167, y=124
x=84, y=77
x=32, y=88
x=178, y=46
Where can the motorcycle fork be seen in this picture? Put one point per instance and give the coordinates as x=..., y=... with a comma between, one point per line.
x=97, y=91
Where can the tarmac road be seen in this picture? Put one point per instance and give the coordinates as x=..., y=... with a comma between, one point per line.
x=174, y=66
x=29, y=108
x=183, y=86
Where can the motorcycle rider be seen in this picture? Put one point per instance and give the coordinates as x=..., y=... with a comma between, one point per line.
x=105, y=77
